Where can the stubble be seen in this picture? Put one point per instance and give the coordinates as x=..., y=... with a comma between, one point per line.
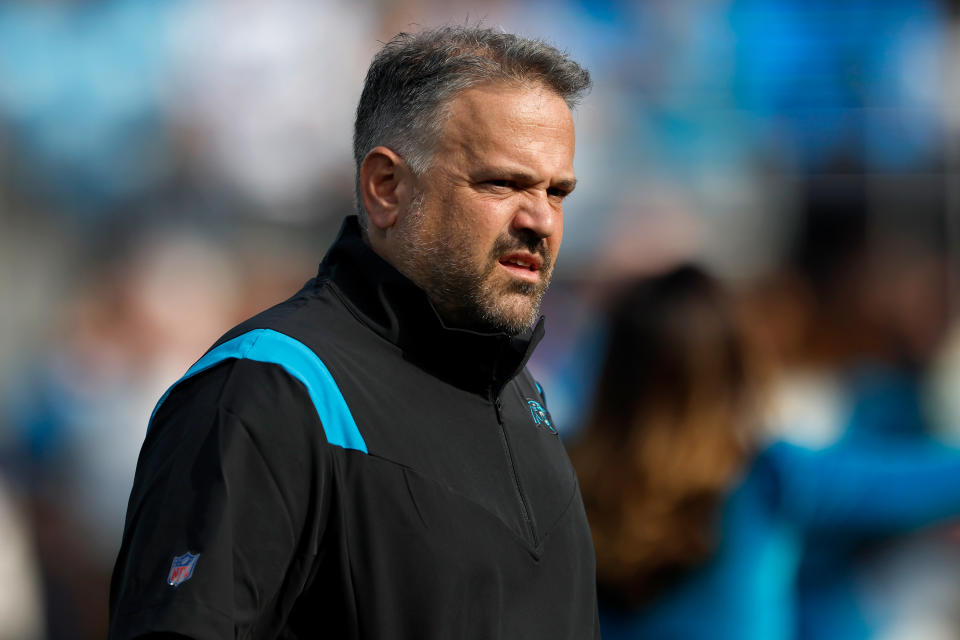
x=467, y=295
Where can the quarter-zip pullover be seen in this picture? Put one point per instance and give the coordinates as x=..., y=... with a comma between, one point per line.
x=344, y=465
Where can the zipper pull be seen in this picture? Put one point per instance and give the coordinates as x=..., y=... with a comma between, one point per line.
x=498, y=408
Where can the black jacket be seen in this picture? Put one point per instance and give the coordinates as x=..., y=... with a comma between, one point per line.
x=345, y=466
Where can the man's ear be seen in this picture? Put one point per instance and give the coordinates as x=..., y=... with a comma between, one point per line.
x=386, y=186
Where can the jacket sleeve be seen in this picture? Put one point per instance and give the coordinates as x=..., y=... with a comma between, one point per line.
x=865, y=490
x=227, y=507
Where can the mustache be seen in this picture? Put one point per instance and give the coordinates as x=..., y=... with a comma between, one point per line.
x=523, y=242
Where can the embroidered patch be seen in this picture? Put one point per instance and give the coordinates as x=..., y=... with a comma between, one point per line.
x=182, y=568
x=540, y=416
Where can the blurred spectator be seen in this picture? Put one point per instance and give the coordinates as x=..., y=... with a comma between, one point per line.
x=699, y=525
x=877, y=316
x=21, y=606
x=79, y=418
x=262, y=97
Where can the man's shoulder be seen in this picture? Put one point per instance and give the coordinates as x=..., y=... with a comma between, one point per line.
x=253, y=352
x=270, y=367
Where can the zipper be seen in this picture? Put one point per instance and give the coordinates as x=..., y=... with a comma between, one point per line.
x=505, y=440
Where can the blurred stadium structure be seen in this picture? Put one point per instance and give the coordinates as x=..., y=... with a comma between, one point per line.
x=169, y=167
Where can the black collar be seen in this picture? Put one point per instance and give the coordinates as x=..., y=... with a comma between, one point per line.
x=400, y=311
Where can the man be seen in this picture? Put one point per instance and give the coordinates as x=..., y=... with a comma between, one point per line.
x=371, y=458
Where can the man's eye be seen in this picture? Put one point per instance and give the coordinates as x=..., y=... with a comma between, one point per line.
x=500, y=184
x=554, y=192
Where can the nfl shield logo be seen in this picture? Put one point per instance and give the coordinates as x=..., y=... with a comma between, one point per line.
x=182, y=567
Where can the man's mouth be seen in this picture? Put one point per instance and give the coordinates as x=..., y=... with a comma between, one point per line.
x=522, y=265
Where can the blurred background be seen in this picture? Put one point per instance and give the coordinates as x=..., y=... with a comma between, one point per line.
x=168, y=168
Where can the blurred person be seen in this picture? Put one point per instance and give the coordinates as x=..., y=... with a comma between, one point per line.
x=869, y=255
x=259, y=111
x=21, y=602
x=698, y=524
x=371, y=458
x=73, y=439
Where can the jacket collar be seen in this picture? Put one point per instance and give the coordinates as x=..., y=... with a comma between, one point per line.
x=400, y=311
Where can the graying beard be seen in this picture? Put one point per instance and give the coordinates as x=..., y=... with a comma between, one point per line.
x=462, y=293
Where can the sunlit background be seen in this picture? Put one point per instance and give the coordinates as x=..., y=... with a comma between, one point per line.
x=168, y=168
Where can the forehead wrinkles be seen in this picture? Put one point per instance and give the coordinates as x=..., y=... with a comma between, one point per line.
x=508, y=123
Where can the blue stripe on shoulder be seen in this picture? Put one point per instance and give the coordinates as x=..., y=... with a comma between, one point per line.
x=298, y=360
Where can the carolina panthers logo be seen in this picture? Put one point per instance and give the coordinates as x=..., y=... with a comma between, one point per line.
x=540, y=416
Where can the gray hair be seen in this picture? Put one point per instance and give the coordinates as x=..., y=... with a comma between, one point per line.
x=413, y=77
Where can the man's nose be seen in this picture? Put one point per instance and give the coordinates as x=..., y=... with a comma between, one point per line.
x=539, y=215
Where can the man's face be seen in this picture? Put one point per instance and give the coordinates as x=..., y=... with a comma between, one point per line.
x=485, y=226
